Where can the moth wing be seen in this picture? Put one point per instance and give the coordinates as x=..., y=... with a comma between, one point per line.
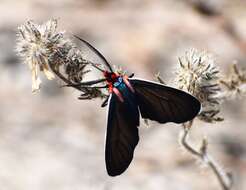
x=164, y=104
x=121, y=137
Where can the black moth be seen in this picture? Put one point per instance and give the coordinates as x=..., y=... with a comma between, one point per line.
x=129, y=98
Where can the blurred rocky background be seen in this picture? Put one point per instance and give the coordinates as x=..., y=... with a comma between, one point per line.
x=51, y=140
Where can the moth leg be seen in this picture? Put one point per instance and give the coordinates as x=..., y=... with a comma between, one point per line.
x=87, y=83
x=105, y=102
x=131, y=75
x=91, y=87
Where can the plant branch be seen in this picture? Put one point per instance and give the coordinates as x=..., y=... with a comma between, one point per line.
x=224, y=178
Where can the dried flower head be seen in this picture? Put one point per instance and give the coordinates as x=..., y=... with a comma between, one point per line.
x=45, y=49
x=198, y=75
x=235, y=84
x=35, y=44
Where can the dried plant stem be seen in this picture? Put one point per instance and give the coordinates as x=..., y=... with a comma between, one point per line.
x=64, y=79
x=224, y=178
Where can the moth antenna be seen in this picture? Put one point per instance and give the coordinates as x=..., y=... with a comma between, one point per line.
x=96, y=52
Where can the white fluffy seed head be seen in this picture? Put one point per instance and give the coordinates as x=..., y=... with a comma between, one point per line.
x=198, y=75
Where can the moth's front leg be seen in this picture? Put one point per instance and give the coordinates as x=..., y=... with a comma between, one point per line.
x=105, y=102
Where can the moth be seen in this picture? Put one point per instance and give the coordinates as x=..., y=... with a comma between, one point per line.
x=131, y=98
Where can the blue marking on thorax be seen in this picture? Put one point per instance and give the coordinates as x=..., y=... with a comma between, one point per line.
x=118, y=82
x=129, y=97
x=120, y=85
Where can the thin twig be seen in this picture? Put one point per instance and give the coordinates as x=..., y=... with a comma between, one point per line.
x=224, y=178
x=64, y=79
x=159, y=78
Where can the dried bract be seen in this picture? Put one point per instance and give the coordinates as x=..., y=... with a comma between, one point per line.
x=235, y=84
x=198, y=75
x=74, y=66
